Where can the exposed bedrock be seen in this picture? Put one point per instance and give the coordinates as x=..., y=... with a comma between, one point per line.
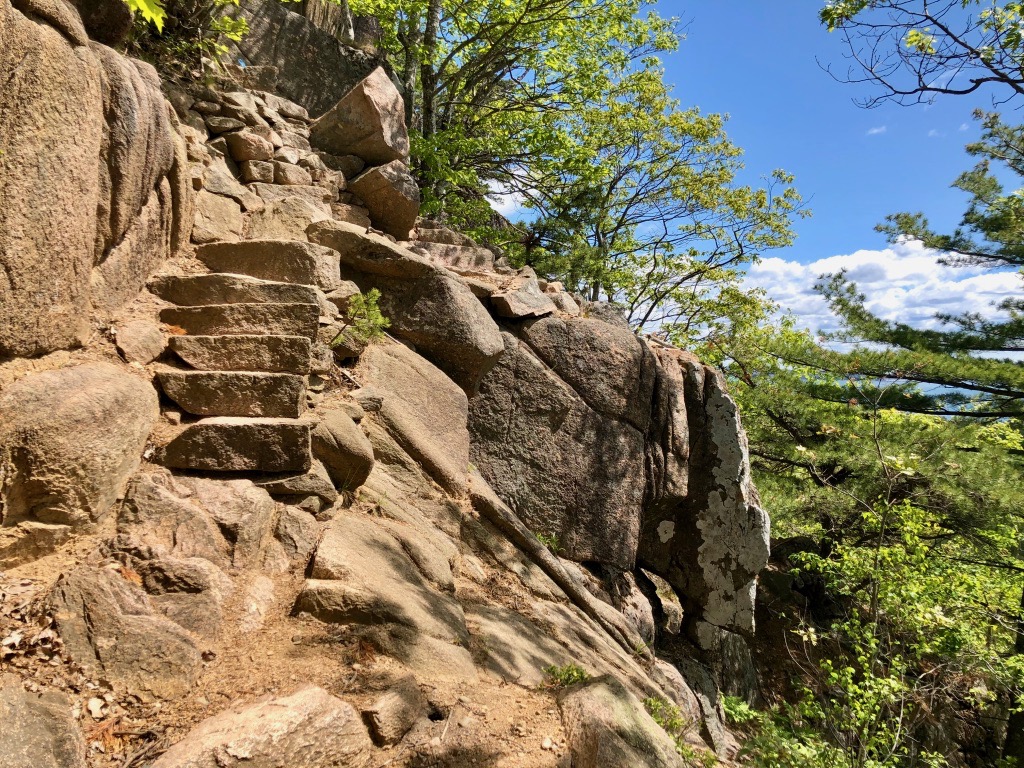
x=95, y=185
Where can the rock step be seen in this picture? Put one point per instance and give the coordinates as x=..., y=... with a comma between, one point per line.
x=236, y=444
x=286, y=261
x=278, y=354
x=233, y=393
x=457, y=256
x=245, y=319
x=202, y=290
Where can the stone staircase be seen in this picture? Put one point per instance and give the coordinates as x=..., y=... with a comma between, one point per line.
x=245, y=345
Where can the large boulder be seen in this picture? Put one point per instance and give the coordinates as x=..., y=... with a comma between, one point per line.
x=39, y=730
x=564, y=468
x=312, y=67
x=607, y=727
x=391, y=195
x=110, y=628
x=93, y=179
x=69, y=441
x=344, y=450
x=363, y=574
x=711, y=544
x=307, y=728
x=369, y=122
x=421, y=408
x=427, y=305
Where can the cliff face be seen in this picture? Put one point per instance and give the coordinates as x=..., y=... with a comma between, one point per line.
x=214, y=491
x=94, y=189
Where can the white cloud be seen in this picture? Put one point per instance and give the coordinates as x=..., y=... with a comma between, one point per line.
x=904, y=283
x=934, y=132
x=876, y=131
x=964, y=126
x=503, y=200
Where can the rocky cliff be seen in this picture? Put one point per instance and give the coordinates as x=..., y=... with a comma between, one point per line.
x=234, y=532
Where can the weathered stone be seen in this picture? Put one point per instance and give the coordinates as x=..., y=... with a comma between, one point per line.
x=236, y=444
x=291, y=175
x=284, y=354
x=344, y=450
x=631, y=602
x=369, y=123
x=87, y=143
x=69, y=440
x=202, y=290
x=217, y=218
x=244, y=145
x=317, y=482
x=308, y=728
x=190, y=592
x=607, y=365
x=39, y=730
x=257, y=170
x=565, y=303
x=297, y=138
x=421, y=408
x=245, y=319
x=284, y=107
x=607, y=727
x=228, y=523
x=219, y=124
x=341, y=295
x=313, y=68
x=287, y=155
x=286, y=219
x=461, y=258
x=368, y=252
x=711, y=544
x=318, y=196
x=217, y=180
x=349, y=165
x=106, y=22
x=231, y=393
x=396, y=711
x=298, y=532
x=353, y=214
x=563, y=468
x=140, y=341
x=391, y=195
x=109, y=628
x=287, y=261
x=430, y=232
x=361, y=574
x=522, y=298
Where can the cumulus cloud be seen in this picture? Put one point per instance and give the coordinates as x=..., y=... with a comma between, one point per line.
x=504, y=201
x=903, y=283
x=876, y=131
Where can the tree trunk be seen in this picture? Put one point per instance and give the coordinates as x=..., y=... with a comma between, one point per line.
x=1014, y=746
x=428, y=71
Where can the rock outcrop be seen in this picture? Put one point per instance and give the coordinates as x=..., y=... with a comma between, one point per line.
x=278, y=505
x=94, y=181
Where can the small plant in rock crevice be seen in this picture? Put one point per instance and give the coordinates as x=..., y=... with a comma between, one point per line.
x=677, y=726
x=562, y=677
x=365, y=321
x=550, y=541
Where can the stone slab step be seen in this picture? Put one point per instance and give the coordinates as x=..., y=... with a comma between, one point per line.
x=237, y=444
x=458, y=256
x=286, y=261
x=245, y=319
x=236, y=393
x=280, y=354
x=199, y=290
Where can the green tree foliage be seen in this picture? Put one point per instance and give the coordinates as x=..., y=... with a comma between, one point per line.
x=151, y=11
x=914, y=50
x=177, y=35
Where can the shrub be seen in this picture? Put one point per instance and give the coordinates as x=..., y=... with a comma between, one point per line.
x=561, y=677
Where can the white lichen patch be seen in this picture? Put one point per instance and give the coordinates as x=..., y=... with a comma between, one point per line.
x=666, y=530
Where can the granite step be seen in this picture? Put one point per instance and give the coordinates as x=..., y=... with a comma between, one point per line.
x=245, y=319
x=239, y=444
x=236, y=393
x=222, y=288
x=286, y=261
x=276, y=354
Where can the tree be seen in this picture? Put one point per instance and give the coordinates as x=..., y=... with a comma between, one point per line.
x=488, y=82
x=914, y=50
x=643, y=208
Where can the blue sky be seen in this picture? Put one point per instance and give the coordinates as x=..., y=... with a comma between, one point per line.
x=756, y=61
